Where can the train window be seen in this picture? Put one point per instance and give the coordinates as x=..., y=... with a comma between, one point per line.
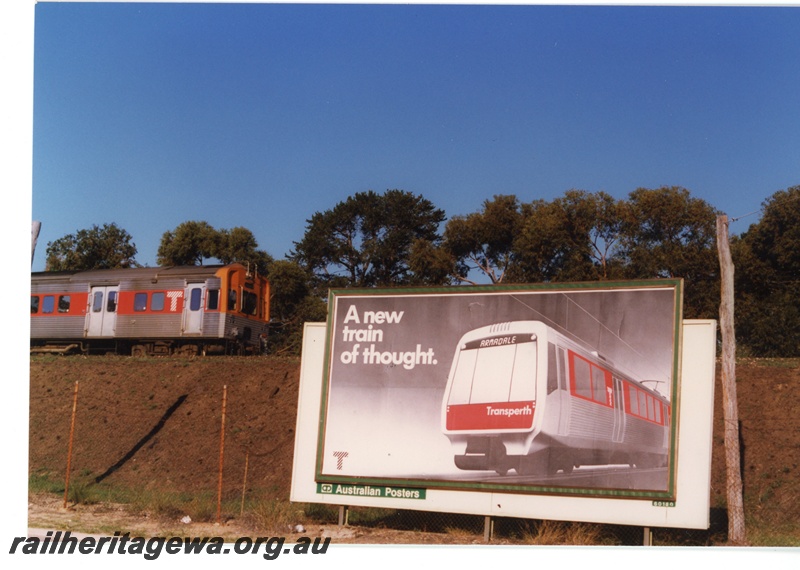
x=232, y=300
x=111, y=306
x=63, y=304
x=562, y=367
x=634, y=400
x=651, y=414
x=523, y=386
x=213, y=299
x=157, y=302
x=97, y=302
x=195, y=299
x=34, y=304
x=658, y=412
x=552, y=368
x=599, y=384
x=494, y=374
x=140, y=302
x=249, y=303
x=497, y=364
x=583, y=377
x=463, y=377
x=642, y=404
x=48, y=304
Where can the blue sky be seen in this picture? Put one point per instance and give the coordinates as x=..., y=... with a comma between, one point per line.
x=256, y=115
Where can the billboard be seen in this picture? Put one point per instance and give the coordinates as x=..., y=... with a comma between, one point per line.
x=692, y=419
x=565, y=390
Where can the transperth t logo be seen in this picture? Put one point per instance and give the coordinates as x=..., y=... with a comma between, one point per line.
x=340, y=455
x=173, y=297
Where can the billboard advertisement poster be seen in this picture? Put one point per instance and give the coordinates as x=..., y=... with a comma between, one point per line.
x=565, y=389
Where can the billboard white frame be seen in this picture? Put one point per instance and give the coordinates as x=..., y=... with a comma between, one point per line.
x=691, y=509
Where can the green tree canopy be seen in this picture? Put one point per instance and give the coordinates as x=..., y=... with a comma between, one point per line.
x=767, y=279
x=668, y=233
x=367, y=240
x=106, y=247
x=572, y=238
x=240, y=245
x=188, y=244
x=484, y=240
x=193, y=242
x=292, y=304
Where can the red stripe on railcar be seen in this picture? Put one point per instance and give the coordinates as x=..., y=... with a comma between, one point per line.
x=496, y=415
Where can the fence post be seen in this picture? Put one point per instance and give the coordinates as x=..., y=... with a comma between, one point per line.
x=221, y=454
x=69, y=445
x=244, y=482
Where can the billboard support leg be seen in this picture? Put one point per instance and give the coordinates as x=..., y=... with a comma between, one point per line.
x=343, y=512
x=488, y=528
x=648, y=536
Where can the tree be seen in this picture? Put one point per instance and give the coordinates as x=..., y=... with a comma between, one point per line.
x=367, y=240
x=193, y=242
x=667, y=233
x=292, y=303
x=240, y=245
x=484, y=240
x=572, y=238
x=767, y=258
x=430, y=264
x=188, y=244
x=106, y=247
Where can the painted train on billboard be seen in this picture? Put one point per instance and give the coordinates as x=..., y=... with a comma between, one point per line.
x=521, y=396
x=150, y=311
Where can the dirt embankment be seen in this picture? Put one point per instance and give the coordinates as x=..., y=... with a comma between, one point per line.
x=155, y=424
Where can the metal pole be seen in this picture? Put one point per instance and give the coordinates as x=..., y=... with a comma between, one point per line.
x=221, y=454
x=69, y=446
x=488, y=528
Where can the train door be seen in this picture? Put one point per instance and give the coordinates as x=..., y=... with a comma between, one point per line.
x=619, y=411
x=101, y=317
x=563, y=421
x=193, y=308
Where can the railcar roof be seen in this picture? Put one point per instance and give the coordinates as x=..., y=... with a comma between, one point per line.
x=130, y=273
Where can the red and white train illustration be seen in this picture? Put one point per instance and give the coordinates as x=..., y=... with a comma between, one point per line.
x=520, y=395
x=150, y=311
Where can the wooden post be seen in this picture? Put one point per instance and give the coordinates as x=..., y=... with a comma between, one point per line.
x=35, y=229
x=736, y=524
x=221, y=454
x=244, y=482
x=69, y=445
